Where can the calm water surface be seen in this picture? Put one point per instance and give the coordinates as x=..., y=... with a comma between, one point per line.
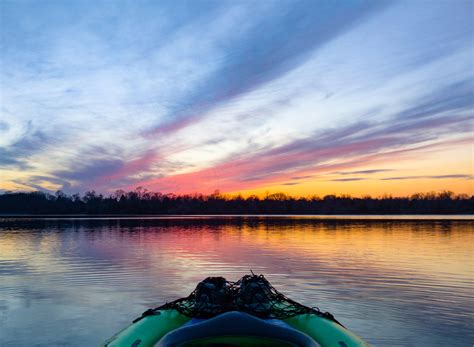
x=76, y=281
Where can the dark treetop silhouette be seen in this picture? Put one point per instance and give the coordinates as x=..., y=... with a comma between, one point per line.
x=140, y=201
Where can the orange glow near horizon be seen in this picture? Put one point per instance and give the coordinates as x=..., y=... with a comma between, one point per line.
x=398, y=174
x=380, y=184
x=433, y=168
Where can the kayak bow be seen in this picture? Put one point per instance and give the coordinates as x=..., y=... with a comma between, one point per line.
x=249, y=312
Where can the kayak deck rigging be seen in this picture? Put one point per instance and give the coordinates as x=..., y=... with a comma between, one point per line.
x=248, y=312
x=251, y=294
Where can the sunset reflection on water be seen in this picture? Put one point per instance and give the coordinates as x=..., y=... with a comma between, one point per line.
x=393, y=282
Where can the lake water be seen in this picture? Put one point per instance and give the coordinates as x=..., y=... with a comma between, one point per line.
x=394, y=282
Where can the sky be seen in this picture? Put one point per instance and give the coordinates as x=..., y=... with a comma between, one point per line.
x=302, y=97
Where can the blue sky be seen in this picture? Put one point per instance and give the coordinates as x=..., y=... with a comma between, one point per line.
x=192, y=96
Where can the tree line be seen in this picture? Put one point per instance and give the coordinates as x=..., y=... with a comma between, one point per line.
x=142, y=202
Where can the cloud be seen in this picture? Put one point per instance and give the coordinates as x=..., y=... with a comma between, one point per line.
x=455, y=97
x=42, y=183
x=106, y=173
x=9, y=159
x=361, y=172
x=461, y=176
x=4, y=127
x=91, y=170
x=17, y=154
x=458, y=176
x=349, y=179
x=301, y=177
x=278, y=40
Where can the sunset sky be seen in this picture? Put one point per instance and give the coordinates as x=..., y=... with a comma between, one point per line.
x=303, y=97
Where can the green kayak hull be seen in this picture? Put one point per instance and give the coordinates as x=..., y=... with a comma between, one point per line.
x=149, y=330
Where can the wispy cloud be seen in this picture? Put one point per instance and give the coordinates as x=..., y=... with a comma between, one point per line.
x=301, y=177
x=433, y=177
x=361, y=172
x=349, y=179
x=39, y=182
x=277, y=41
x=456, y=176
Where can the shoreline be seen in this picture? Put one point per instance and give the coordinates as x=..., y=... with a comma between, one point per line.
x=468, y=217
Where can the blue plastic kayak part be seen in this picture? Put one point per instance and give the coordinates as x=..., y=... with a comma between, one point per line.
x=236, y=324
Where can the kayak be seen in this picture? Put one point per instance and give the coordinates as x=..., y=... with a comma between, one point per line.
x=249, y=312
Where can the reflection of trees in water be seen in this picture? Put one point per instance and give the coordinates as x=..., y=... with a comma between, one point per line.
x=141, y=201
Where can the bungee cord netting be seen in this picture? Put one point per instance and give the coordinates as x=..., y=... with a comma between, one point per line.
x=251, y=294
